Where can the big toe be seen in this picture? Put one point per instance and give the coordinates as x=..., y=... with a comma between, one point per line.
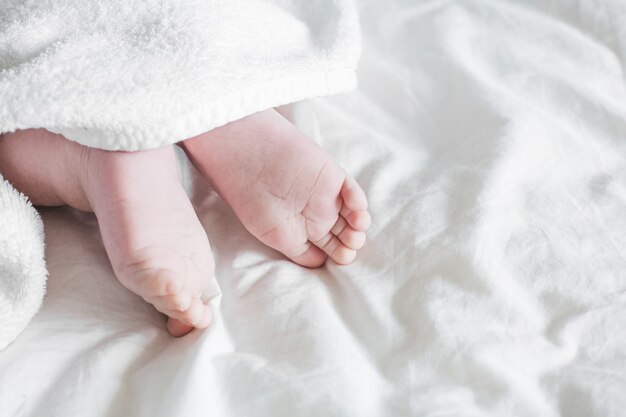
x=353, y=195
x=354, y=206
x=197, y=316
x=177, y=328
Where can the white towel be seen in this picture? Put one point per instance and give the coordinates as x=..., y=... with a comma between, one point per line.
x=22, y=268
x=139, y=74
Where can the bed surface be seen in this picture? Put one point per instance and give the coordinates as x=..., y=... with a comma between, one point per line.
x=490, y=138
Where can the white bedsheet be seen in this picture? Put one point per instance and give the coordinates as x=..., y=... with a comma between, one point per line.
x=490, y=137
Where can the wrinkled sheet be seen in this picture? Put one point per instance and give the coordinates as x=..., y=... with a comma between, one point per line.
x=490, y=138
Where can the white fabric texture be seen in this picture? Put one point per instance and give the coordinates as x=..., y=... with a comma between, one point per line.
x=490, y=138
x=140, y=74
x=22, y=268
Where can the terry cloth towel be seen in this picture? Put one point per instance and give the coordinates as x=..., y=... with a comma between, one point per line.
x=139, y=74
x=22, y=267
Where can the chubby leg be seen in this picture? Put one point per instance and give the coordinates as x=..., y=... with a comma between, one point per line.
x=155, y=242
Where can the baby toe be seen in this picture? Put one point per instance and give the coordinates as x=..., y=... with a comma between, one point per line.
x=336, y=249
x=353, y=239
x=343, y=255
x=353, y=195
x=177, y=328
x=328, y=243
x=197, y=315
x=358, y=220
x=339, y=226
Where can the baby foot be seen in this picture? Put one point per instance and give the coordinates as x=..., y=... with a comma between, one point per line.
x=155, y=242
x=286, y=190
x=152, y=235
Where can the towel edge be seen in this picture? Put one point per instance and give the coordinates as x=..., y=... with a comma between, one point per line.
x=213, y=114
